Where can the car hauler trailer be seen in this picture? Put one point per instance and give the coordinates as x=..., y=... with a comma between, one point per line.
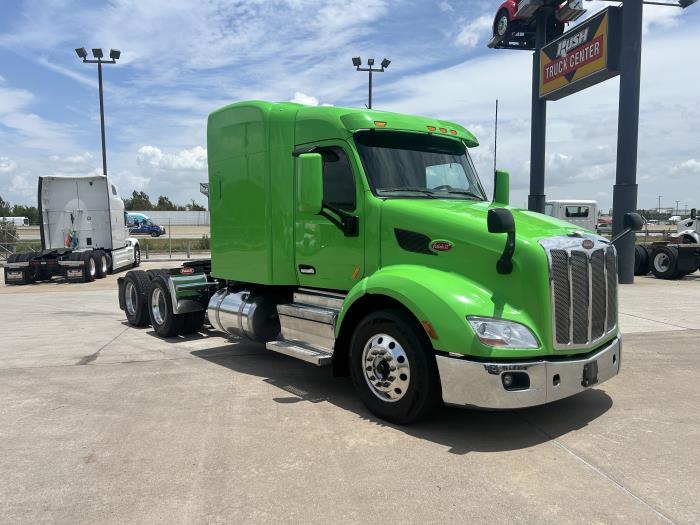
x=363, y=240
x=83, y=233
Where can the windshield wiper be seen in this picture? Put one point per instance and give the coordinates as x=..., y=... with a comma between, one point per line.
x=465, y=192
x=424, y=191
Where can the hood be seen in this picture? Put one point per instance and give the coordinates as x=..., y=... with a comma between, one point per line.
x=409, y=226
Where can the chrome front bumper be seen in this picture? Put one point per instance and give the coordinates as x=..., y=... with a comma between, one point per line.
x=480, y=384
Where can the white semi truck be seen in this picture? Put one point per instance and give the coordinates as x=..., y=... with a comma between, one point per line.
x=83, y=233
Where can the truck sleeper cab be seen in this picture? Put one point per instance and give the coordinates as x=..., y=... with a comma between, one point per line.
x=363, y=240
x=83, y=233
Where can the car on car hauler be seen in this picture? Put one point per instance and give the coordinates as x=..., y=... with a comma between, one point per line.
x=83, y=233
x=363, y=240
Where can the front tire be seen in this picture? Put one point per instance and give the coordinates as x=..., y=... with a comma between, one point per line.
x=137, y=256
x=393, y=367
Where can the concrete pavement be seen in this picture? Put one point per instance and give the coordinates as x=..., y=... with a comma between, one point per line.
x=100, y=422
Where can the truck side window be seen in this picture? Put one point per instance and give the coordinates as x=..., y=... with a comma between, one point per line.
x=338, y=179
x=114, y=190
x=577, y=212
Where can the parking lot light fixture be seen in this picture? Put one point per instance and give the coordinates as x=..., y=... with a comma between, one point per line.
x=357, y=62
x=114, y=55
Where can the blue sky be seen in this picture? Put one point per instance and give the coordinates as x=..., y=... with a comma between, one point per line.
x=182, y=59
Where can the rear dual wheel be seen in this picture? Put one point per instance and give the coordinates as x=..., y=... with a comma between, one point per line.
x=164, y=320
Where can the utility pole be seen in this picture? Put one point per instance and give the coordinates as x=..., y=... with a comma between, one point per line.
x=659, y=208
x=677, y=208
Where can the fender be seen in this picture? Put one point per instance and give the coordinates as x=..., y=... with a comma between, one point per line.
x=444, y=300
x=690, y=233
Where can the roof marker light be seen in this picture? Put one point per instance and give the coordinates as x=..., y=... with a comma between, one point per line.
x=380, y=123
x=453, y=132
x=432, y=128
x=443, y=130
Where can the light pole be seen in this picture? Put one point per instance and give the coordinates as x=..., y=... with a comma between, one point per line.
x=357, y=62
x=114, y=55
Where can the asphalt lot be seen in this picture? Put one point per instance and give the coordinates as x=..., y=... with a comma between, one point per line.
x=103, y=423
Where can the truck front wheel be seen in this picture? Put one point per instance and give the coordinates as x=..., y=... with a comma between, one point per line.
x=160, y=309
x=393, y=367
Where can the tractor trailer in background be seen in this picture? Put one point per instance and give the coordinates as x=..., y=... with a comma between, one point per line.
x=363, y=240
x=83, y=233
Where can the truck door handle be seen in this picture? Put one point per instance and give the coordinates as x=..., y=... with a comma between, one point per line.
x=307, y=269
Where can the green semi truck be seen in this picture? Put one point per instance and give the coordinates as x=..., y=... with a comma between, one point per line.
x=364, y=240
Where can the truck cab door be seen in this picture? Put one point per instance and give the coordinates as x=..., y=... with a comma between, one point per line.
x=325, y=255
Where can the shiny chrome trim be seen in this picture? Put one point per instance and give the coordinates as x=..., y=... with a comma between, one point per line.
x=569, y=244
x=479, y=384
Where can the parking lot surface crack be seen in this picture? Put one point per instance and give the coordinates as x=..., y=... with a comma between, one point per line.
x=598, y=471
x=90, y=358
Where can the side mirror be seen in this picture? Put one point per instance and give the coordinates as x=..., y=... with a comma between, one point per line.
x=309, y=183
x=633, y=222
x=501, y=187
x=693, y=214
x=500, y=220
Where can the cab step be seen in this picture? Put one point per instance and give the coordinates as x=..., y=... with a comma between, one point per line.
x=331, y=300
x=300, y=351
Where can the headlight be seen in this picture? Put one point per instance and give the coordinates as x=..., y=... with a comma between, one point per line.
x=500, y=333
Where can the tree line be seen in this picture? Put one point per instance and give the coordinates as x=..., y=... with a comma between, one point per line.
x=139, y=201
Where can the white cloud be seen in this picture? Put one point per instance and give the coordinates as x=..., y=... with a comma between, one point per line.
x=194, y=159
x=73, y=159
x=446, y=7
x=38, y=133
x=7, y=165
x=21, y=186
x=688, y=167
x=475, y=32
x=302, y=98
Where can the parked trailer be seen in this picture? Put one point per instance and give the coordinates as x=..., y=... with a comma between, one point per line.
x=363, y=240
x=83, y=233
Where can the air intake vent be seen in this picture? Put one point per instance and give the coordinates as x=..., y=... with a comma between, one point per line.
x=413, y=241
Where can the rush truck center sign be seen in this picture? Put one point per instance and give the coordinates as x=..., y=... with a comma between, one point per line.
x=583, y=56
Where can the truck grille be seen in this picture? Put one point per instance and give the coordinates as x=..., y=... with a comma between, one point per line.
x=584, y=291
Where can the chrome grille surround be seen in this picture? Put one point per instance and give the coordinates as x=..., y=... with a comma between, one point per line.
x=583, y=286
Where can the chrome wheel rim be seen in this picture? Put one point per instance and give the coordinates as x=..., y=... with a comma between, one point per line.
x=386, y=368
x=131, y=298
x=502, y=25
x=137, y=255
x=158, y=306
x=92, y=266
x=662, y=262
x=103, y=264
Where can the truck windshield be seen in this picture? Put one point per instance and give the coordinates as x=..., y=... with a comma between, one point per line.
x=400, y=164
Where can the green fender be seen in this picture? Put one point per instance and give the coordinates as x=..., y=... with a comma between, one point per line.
x=444, y=299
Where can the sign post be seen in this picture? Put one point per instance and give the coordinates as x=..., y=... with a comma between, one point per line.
x=625, y=190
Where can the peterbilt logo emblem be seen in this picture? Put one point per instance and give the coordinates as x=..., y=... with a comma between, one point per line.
x=588, y=244
x=441, y=246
